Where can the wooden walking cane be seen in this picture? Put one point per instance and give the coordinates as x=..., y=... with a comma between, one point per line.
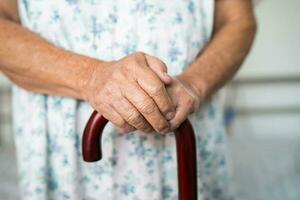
x=186, y=152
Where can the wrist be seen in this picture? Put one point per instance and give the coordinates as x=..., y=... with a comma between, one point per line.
x=86, y=69
x=195, y=83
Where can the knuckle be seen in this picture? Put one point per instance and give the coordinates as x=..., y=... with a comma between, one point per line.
x=135, y=119
x=161, y=127
x=166, y=107
x=127, y=71
x=116, y=79
x=122, y=130
x=116, y=75
x=137, y=58
x=176, y=125
x=148, y=130
x=120, y=123
x=105, y=94
x=190, y=101
x=148, y=107
x=126, y=129
x=162, y=65
x=139, y=54
x=99, y=104
x=129, y=67
x=126, y=68
x=157, y=90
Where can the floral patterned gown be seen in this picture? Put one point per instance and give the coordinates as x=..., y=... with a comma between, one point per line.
x=136, y=166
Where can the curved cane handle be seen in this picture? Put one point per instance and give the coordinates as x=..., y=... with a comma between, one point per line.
x=186, y=152
x=91, y=141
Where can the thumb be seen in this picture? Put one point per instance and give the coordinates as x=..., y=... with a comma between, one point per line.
x=160, y=68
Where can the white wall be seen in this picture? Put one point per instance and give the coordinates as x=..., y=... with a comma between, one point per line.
x=278, y=40
x=265, y=135
x=270, y=78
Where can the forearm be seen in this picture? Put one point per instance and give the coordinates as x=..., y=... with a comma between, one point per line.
x=222, y=57
x=36, y=65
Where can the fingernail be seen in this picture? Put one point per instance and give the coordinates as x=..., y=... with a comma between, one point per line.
x=170, y=115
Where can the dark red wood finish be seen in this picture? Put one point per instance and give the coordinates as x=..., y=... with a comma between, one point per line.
x=186, y=159
x=186, y=152
x=91, y=141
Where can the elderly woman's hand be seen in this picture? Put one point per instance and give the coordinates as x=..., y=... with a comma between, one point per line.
x=185, y=100
x=131, y=93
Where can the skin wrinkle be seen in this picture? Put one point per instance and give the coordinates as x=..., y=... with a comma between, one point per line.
x=146, y=126
x=123, y=95
x=139, y=102
x=37, y=65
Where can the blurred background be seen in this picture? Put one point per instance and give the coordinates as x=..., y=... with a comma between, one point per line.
x=262, y=113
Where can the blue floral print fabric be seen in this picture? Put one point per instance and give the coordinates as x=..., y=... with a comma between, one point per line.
x=135, y=166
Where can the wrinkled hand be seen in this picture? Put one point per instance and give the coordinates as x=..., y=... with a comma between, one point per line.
x=185, y=100
x=131, y=93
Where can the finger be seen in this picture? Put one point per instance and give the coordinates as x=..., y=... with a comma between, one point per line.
x=125, y=130
x=131, y=115
x=160, y=68
x=182, y=113
x=113, y=116
x=153, y=86
x=147, y=107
